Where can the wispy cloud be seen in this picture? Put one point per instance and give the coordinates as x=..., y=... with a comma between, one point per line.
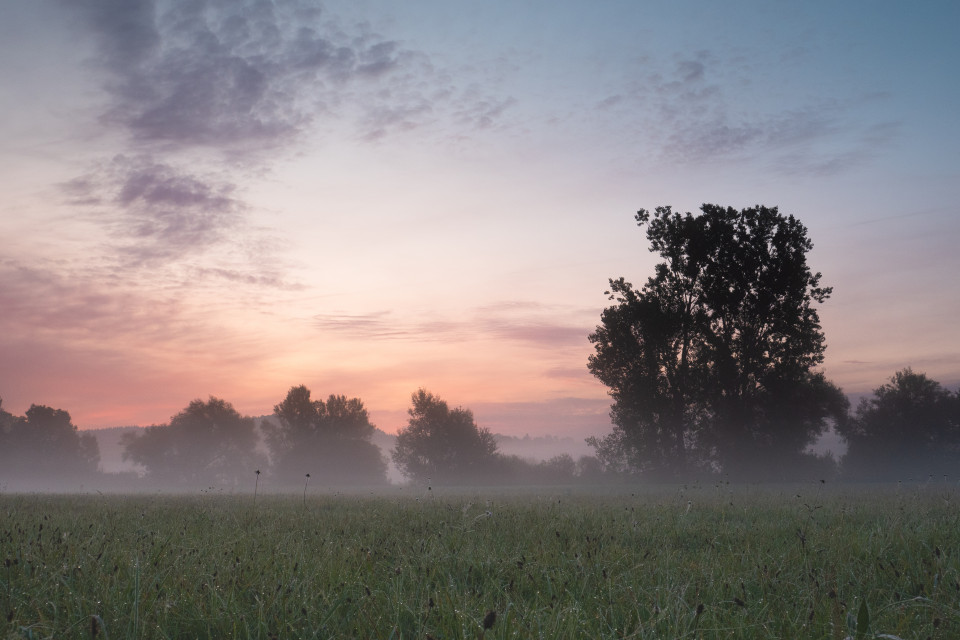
x=530, y=327
x=46, y=300
x=481, y=111
x=844, y=150
x=252, y=75
x=380, y=121
x=226, y=75
x=156, y=215
x=539, y=333
x=157, y=212
x=112, y=352
x=79, y=310
x=689, y=115
x=702, y=125
x=379, y=325
x=273, y=280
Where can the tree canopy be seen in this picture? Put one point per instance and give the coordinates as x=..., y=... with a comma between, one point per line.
x=207, y=443
x=45, y=446
x=711, y=363
x=329, y=440
x=443, y=445
x=908, y=429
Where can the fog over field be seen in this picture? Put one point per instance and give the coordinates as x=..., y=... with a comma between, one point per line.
x=533, y=448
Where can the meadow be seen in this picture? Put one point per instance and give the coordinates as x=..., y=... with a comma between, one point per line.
x=697, y=561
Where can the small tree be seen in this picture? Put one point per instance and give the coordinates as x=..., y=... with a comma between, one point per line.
x=443, y=445
x=206, y=443
x=910, y=428
x=329, y=440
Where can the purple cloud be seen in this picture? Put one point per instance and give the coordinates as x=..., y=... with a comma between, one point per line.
x=250, y=74
x=156, y=211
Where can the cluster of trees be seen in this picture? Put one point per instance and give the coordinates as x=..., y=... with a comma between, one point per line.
x=445, y=446
x=210, y=444
x=712, y=363
x=330, y=440
x=43, y=444
x=711, y=366
x=909, y=428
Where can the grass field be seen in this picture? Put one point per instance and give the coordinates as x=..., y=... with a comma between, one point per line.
x=702, y=561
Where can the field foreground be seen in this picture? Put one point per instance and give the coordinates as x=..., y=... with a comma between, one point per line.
x=678, y=562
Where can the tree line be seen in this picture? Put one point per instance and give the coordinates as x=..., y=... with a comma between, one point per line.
x=327, y=443
x=908, y=429
x=711, y=366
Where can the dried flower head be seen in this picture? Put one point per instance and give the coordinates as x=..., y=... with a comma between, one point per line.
x=489, y=619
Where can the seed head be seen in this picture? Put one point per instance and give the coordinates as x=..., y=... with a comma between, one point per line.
x=489, y=619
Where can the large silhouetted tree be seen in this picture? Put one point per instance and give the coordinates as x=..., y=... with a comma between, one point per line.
x=443, y=445
x=45, y=446
x=329, y=440
x=909, y=428
x=711, y=363
x=208, y=443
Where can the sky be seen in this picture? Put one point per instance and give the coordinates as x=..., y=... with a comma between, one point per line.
x=229, y=198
